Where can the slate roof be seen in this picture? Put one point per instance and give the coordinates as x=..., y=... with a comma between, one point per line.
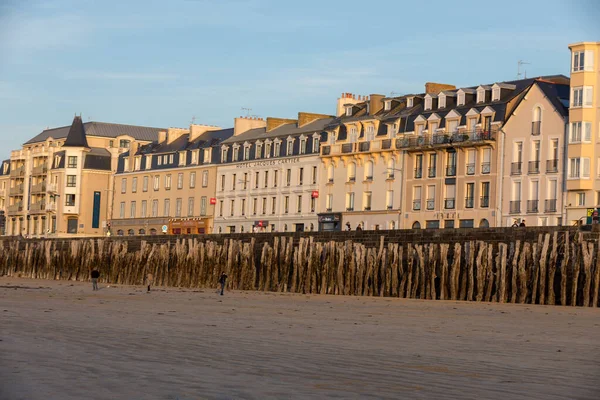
x=207, y=139
x=76, y=136
x=2, y=168
x=101, y=129
x=282, y=131
x=97, y=158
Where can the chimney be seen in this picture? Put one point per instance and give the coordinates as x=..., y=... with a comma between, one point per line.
x=175, y=133
x=244, y=124
x=162, y=136
x=346, y=98
x=375, y=103
x=273, y=123
x=306, y=118
x=197, y=130
x=435, y=88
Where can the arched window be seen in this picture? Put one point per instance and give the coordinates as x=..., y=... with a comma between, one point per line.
x=416, y=225
x=120, y=232
x=153, y=231
x=351, y=172
x=353, y=134
x=391, y=166
x=536, y=125
x=142, y=232
x=537, y=114
x=131, y=232
x=484, y=223
x=330, y=173
x=369, y=170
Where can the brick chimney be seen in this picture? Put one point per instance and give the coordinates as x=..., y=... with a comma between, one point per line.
x=306, y=118
x=162, y=136
x=273, y=123
x=196, y=130
x=375, y=103
x=347, y=98
x=175, y=133
x=244, y=124
x=435, y=88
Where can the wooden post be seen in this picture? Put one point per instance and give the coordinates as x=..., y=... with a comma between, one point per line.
x=551, y=298
x=444, y=247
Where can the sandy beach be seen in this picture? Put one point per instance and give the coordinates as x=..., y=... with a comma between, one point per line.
x=61, y=340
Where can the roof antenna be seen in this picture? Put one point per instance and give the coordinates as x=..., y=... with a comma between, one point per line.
x=520, y=63
x=193, y=119
x=247, y=111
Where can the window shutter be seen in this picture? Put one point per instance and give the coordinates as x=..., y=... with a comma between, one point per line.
x=586, y=167
x=588, y=59
x=587, y=128
x=588, y=96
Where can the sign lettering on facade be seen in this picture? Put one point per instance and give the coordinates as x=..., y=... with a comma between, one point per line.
x=267, y=163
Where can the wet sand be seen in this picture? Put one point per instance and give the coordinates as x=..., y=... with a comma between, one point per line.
x=61, y=340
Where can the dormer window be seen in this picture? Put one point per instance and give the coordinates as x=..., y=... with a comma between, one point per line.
x=126, y=164
x=194, y=157
x=370, y=132
x=496, y=94
x=409, y=102
x=182, y=158
x=224, y=155
x=148, y=162
x=207, y=155
x=124, y=144
x=349, y=111
x=316, y=144
x=303, y=146
x=353, y=134
x=277, y=151
x=258, y=150
x=138, y=163
x=428, y=102
x=268, y=150
x=387, y=105
x=442, y=101
x=480, y=95
x=290, y=147
x=460, y=99
x=331, y=137
x=246, y=152
x=235, y=154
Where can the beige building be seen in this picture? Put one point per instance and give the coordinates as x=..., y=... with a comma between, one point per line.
x=168, y=186
x=60, y=182
x=583, y=164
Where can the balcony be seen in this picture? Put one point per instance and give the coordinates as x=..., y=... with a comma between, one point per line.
x=532, y=206
x=449, y=203
x=367, y=208
x=16, y=190
x=364, y=146
x=386, y=144
x=351, y=179
x=466, y=138
x=552, y=166
x=486, y=167
x=390, y=175
x=431, y=172
x=369, y=178
x=536, y=128
x=430, y=204
x=484, y=201
x=515, y=207
x=347, y=148
x=451, y=170
x=37, y=208
x=15, y=209
x=550, y=205
x=418, y=173
x=469, y=201
x=471, y=169
x=372, y=146
x=17, y=172
x=325, y=150
x=51, y=187
x=39, y=188
x=40, y=169
x=534, y=167
x=349, y=208
x=516, y=168
x=417, y=205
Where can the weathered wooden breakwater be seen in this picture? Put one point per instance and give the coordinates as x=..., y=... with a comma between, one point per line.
x=554, y=266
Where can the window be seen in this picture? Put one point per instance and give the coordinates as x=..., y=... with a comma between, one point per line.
x=256, y=179
x=470, y=195
x=124, y=185
x=267, y=150
x=290, y=147
x=246, y=153
x=583, y=61
x=231, y=207
x=420, y=129
x=349, y=111
x=132, y=211
x=258, y=151
x=387, y=105
x=137, y=163
x=243, y=207
x=580, y=199
x=194, y=159
x=450, y=199
x=178, y=207
x=451, y=163
x=351, y=172
x=428, y=102
x=233, y=181
x=299, y=204
x=148, y=162
x=485, y=195
x=224, y=155
x=168, y=182
x=442, y=101
x=222, y=182
x=470, y=162
x=245, y=181
x=180, y=180
x=350, y=201
x=170, y=158
x=134, y=184
x=480, y=95
x=410, y=101
x=167, y=208
x=329, y=202
x=192, y=180
x=182, y=158
x=288, y=180
x=72, y=162
x=220, y=208
x=330, y=173
x=416, y=198
x=369, y=170
x=155, y=208
x=370, y=133
x=165, y=159
x=452, y=126
x=124, y=144
x=389, y=199
x=70, y=200
x=275, y=178
x=433, y=126
x=144, y=208
x=300, y=176
x=71, y=180
x=122, y=210
x=432, y=172
x=277, y=151
x=111, y=143
x=145, y=184
x=430, y=197
x=207, y=156
x=353, y=134
x=159, y=160
x=316, y=145
x=496, y=94
x=156, y=182
x=273, y=204
x=418, y=166
x=254, y=205
x=264, y=205
x=486, y=163
x=190, y=207
x=582, y=96
x=580, y=132
x=303, y=146
x=286, y=204
x=314, y=175
x=579, y=168
x=367, y=201
x=125, y=164
x=203, y=203
x=460, y=99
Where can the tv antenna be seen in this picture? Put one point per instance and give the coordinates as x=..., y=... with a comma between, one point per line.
x=393, y=94
x=247, y=111
x=520, y=63
x=193, y=119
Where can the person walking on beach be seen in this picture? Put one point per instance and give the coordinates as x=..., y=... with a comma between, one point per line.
x=95, y=275
x=222, y=281
x=149, y=281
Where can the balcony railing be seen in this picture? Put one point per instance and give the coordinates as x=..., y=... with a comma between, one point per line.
x=471, y=169
x=532, y=206
x=51, y=206
x=550, y=205
x=451, y=170
x=367, y=208
x=325, y=150
x=431, y=172
x=449, y=203
x=39, y=188
x=469, y=202
x=536, y=128
x=515, y=168
x=40, y=169
x=51, y=187
x=16, y=190
x=19, y=171
x=552, y=166
x=430, y=204
x=447, y=140
x=484, y=201
x=515, y=207
x=37, y=207
x=534, y=167
x=351, y=179
x=347, y=147
x=418, y=173
x=349, y=208
x=386, y=144
x=369, y=178
x=364, y=146
x=417, y=205
x=486, y=167
x=15, y=208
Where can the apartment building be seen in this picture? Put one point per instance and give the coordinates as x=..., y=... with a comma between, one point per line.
x=268, y=175
x=60, y=182
x=4, y=184
x=583, y=166
x=168, y=186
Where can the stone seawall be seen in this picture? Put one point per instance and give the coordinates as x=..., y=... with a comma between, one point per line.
x=550, y=265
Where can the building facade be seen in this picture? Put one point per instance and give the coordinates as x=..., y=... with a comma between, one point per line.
x=583, y=165
x=168, y=186
x=268, y=175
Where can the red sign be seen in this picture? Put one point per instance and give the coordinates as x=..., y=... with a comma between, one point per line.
x=213, y=200
x=315, y=194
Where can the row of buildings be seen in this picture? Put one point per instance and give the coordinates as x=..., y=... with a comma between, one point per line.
x=491, y=154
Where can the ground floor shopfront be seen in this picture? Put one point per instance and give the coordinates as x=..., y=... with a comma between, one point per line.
x=161, y=226
x=275, y=224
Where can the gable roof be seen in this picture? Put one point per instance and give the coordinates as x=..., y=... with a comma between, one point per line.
x=76, y=136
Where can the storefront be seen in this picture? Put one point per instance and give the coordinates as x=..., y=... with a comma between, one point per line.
x=189, y=226
x=330, y=222
x=260, y=226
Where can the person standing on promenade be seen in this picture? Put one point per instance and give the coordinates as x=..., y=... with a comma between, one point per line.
x=95, y=275
x=149, y=281
x=222, y=281
x=522, y=225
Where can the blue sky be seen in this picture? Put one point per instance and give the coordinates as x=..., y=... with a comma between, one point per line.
x=159, y=63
